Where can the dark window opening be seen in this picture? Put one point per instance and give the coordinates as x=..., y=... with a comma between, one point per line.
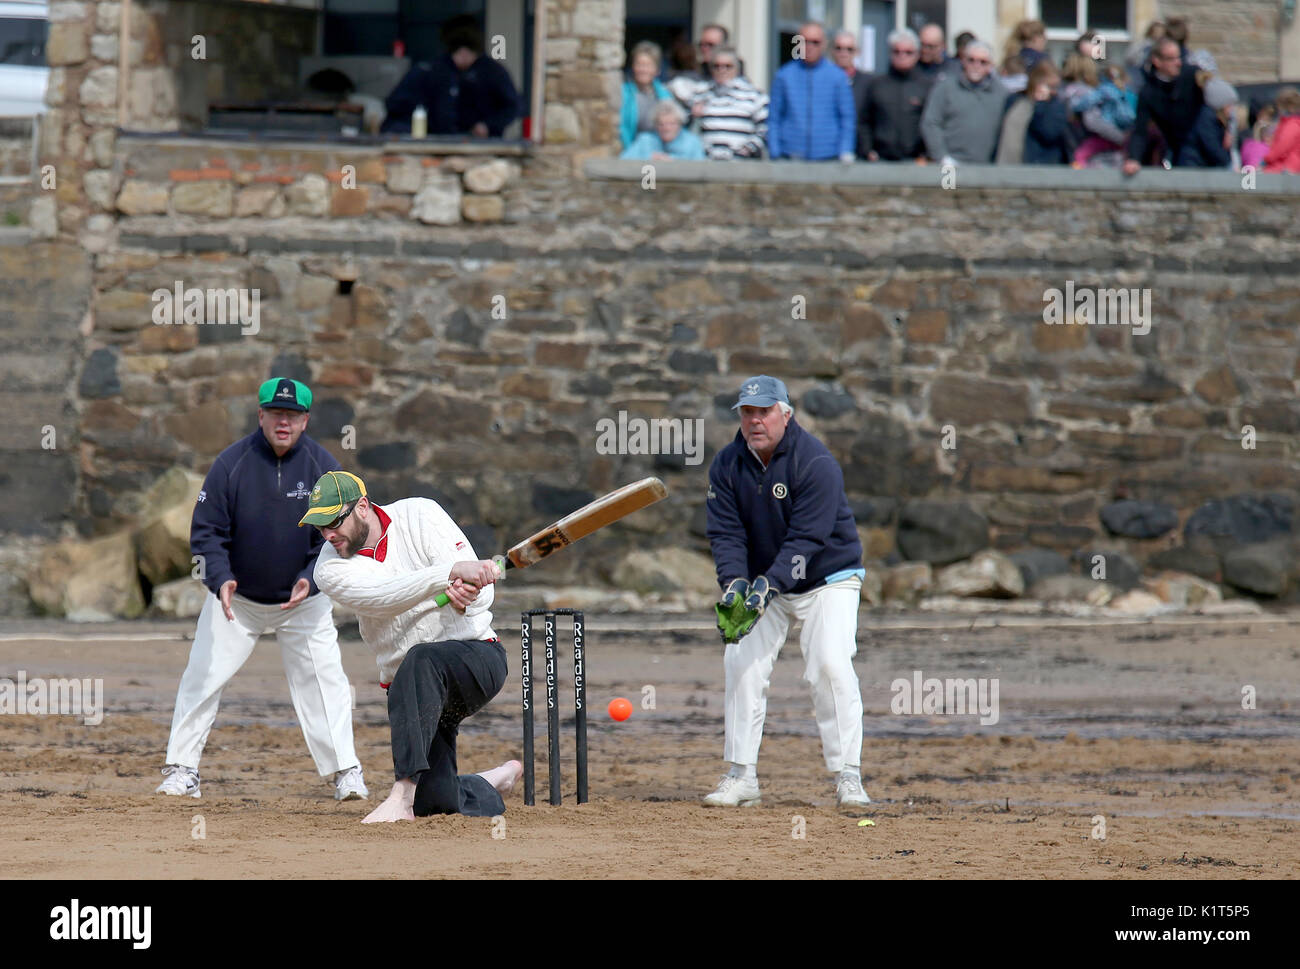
x=666, y=23
x=22, y=41
x=359, y=68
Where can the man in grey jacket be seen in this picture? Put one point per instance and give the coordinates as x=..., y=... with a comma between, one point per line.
x=963, y=115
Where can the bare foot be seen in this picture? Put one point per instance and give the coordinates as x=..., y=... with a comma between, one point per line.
x=504, y=777
x=398, y=806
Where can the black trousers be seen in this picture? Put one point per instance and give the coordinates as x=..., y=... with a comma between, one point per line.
x=437, y=686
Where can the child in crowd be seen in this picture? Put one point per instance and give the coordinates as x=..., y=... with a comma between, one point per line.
x=1255, y=146
x=1214, y=135
x=1108, y=113
x=1284, y=152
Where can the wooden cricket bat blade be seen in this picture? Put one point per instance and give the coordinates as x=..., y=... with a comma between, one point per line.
x=587, y=519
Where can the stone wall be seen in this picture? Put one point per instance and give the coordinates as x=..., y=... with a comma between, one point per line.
x=1241, y=34
x=584, y=75
x=467, y=320
x=473, y=362
x=44, y=298
x=196, y=182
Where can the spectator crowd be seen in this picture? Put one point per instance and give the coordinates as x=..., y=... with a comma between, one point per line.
x=1164, y=104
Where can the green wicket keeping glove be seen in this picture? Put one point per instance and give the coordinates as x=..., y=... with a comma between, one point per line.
x=734, y=621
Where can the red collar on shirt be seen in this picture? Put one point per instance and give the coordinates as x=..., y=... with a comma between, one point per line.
x=380, y=551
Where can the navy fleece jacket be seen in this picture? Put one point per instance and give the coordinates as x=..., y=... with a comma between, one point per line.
x=245, y=522
x=760, y=518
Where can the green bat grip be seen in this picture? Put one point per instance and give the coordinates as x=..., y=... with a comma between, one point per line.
x=502, y=562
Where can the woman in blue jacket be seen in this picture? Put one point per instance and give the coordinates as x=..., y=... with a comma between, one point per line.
x=642, y=93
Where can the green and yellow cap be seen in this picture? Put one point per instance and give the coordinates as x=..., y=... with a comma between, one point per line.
x=333, y=492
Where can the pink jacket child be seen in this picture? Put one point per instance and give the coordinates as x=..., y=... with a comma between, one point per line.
x=1284, y=154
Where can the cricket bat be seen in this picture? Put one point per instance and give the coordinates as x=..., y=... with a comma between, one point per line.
x=587, y=519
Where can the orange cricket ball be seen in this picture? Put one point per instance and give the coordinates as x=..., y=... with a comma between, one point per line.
x=620, y=708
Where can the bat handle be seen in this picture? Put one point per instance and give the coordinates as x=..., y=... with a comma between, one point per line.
x=502, y=562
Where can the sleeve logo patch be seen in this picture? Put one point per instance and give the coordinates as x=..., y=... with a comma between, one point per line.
x=203, y=496
x=712, y=493
x=779, y=490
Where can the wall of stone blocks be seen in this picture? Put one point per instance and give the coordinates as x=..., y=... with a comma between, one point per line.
x=1241, y=34
x=473, y=361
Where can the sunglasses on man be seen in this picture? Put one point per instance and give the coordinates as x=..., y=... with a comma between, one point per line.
x=342, y=518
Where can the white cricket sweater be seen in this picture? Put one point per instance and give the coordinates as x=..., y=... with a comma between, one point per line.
x=393, y=599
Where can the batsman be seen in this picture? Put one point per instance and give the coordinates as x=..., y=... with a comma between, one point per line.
x=786, y=549
x=389, y=564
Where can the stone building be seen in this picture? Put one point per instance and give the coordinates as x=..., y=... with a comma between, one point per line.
x=468, y=313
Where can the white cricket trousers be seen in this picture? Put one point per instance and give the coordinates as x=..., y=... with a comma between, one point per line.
x=309, y=645
x=828, y=641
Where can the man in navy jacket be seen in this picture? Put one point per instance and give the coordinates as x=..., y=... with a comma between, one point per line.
x=784, y=541
x=1170, y=99
x=464, y=92
x=257, y=565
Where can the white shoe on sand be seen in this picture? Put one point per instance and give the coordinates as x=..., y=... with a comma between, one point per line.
x=179, y=781
x=734, y=792
x=849, y=795
x=350, y=785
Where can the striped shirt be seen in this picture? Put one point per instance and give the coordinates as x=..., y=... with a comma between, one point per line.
x=734, y=120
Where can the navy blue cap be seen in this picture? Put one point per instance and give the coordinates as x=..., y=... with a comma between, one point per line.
x=761, y=391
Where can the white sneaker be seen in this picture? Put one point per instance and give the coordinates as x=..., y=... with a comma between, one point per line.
x=849, y=795
x=180, y=781
x=734, y=792
x=350, y=785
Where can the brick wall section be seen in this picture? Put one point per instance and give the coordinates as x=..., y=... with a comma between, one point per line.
x=1241, y=34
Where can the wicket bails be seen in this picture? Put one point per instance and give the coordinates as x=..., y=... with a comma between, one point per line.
x=549, y=633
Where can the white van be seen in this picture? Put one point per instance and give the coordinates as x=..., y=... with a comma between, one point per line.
x=23, y=72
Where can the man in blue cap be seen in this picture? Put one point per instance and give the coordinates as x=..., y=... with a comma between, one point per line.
x=786, y=549
x=257, y=564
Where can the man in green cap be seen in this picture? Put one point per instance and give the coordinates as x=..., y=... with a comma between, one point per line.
x=257, y=564
x=439, y=665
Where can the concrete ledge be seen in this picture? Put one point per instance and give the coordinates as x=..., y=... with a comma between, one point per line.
x=1020, y=178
